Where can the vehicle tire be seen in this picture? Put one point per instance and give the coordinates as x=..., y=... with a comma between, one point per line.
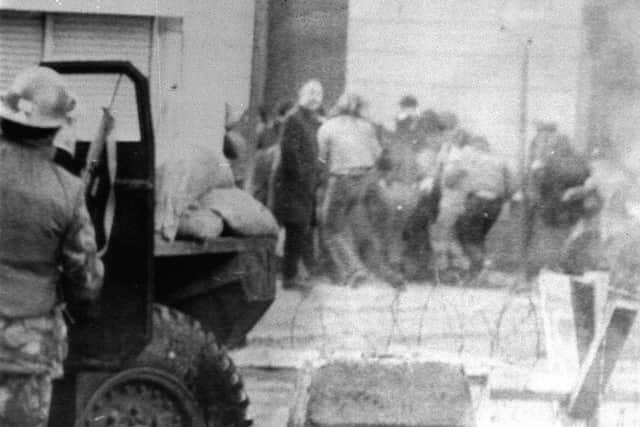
x=186, y=367
x=142, y=397
x=209, y=310
x=225, y=312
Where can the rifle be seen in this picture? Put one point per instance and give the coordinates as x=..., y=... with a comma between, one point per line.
x=96, y=149
x=105, y=128
x=103, y=144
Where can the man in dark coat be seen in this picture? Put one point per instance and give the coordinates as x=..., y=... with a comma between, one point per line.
x=560, y=169
x=560, y=198
x=296, y=182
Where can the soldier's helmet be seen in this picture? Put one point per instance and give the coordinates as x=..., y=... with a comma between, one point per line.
x=38, y=97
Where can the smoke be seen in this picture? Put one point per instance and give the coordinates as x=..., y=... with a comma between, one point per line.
x=613, y=125
x=613, y=61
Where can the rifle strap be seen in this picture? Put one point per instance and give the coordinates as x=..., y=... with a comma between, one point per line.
x=112, y=167
x=110, y=208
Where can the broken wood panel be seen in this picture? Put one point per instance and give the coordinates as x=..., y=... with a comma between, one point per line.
x=589, y=297
x=601, y=359
x=559, y=324
x=583, y=300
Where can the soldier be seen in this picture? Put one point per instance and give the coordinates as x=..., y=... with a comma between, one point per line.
x=46, y=241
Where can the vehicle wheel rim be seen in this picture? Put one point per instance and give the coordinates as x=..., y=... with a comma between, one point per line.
x=142, y=397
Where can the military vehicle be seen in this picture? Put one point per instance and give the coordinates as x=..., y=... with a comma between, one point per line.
x=152, y=353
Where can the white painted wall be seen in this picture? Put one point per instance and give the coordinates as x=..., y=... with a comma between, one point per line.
x=216, y=68
x=210, y=62
x=453, y=56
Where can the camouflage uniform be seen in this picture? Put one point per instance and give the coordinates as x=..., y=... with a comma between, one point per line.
x=46, y=240
x=31, y=354
x=35, y=259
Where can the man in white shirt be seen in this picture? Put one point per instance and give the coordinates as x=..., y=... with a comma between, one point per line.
x=349, y=147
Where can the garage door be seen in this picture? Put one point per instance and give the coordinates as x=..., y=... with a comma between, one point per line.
x=21, y=44
x=103, y=37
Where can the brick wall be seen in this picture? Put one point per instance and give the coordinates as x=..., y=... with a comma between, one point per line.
x=453, y=55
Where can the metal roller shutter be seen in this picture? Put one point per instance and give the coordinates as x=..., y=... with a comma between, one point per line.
x=21, y=44
x=102, y=37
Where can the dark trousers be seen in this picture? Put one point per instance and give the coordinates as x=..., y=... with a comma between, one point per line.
x=298, y=245
x=344, y=194
x=417, y=235
x=474, y=224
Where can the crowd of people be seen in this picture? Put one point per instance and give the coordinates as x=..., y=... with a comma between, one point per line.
x=359, y=201
x=356, y=201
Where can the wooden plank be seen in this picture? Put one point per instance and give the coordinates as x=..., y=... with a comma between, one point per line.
x=524, y=394
x=559, y=324
x=601, y=359
x=522, y=383
x=219, y=245
x=583, y=301
x=589, y=297
x=523, y=413
x=298, y=412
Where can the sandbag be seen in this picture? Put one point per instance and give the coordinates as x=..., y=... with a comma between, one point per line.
x=241, y=212
x=199, y=224
x=236, y=149
x=182, y=180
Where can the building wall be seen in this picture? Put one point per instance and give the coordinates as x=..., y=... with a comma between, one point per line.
x=201, y=60
x=612, y=67
x=307, y=39
x=453, y=55
x=216, y=68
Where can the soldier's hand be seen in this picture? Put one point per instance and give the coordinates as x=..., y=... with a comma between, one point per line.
x=108, y=120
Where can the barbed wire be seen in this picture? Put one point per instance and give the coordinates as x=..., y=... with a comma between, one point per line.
x=508, y=329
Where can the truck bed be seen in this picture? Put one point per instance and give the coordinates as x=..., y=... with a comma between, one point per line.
x=226, y=283
x=219, y=245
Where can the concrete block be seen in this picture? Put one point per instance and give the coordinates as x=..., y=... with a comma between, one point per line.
x=382, y=392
